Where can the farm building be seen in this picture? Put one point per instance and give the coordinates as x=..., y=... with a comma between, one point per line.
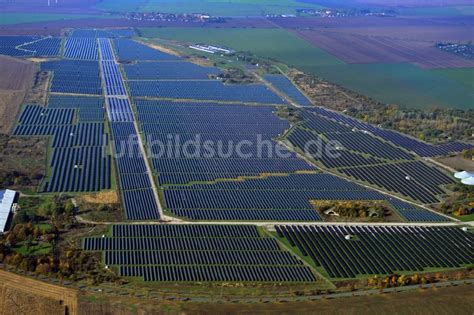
x=212, y=49
x=7, y=200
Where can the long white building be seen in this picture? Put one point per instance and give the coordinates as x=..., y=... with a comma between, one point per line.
x=7, y=199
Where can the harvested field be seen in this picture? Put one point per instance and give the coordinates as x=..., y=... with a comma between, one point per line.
x=22, y=295
x=376, y=49
x=15, y=79
x=10, y=102
x=15, y=74
x=453, y=300
x=418, y=29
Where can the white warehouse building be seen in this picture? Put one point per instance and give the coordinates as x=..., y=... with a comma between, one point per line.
x=8, y=199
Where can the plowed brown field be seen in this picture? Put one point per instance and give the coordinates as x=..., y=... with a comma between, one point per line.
x=352, y=48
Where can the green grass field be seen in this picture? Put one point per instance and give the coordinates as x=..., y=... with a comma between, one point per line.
x=462, y=75
x=402, y=84
x=36, y=249
x=17, y=18
x=272, y=43
x=212, y=7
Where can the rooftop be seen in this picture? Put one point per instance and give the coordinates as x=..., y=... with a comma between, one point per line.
x=7, y=198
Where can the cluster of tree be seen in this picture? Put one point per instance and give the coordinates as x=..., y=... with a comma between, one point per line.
x=73, y=265
x=236, y=76
x=468, y=154
x=462, y=204
x=19, y=179
x=65, y=263
x=458, y=208
x=354, y=209
x=435, y=124
x=61, y=260
x=29, y=233
x=59, y=210
x=288, y=113
x=400, y=280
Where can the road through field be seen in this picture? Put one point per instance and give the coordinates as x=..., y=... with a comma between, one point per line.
x=126, y=96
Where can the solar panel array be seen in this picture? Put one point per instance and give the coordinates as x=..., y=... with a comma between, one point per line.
x=130, y=50
x=380, y=250
x=104, y=33
x=139, y=201
x=90, y=109
x=283, y=84
x=81, y=48
x=198, y=253
x=331, y=156
x=46, y=47
x=416, y=180
x=74, y=76
x=419, y=147
x=106, y=50
x=168, y=70
x=229, y=187
x=119, y=110
x=79, y=160
x=30, y=46
x=283, y=197
x=367, y=158
x=205, y=90
x=218, y=125
x=112, y=78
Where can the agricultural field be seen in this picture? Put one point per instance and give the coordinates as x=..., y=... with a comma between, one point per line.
x=16, y=77
x=22, y=294
x=443, y=29
x=409, y=86
x=373, y=49
x=462, y=75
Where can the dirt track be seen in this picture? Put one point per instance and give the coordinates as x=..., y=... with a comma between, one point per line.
x=22, y=295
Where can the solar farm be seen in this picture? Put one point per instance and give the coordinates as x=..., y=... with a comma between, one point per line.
x=118, y=114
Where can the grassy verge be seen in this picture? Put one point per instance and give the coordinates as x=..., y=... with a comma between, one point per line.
x=34, y=249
